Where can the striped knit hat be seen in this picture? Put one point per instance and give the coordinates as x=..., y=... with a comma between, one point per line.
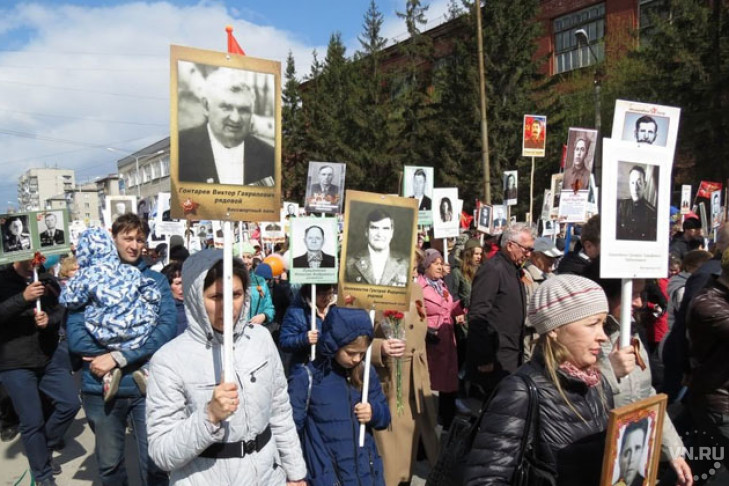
x=565, y=299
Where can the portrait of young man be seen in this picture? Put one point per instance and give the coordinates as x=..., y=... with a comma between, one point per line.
x=637, y=217
x=580, y=155
x=224, y=149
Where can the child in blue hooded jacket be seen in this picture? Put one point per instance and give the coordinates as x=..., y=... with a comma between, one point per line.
x=326, y=399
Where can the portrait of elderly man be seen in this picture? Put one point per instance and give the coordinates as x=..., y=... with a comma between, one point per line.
x=376, y=264
x=577, y=174
x=646, y=130
x=535, y=139
x=15, y=236
x=52, y=235
x=224, y=150
x=636, y=217
x=324, y=187
x=314, y=256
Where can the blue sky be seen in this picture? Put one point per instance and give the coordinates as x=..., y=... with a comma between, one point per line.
x=78, y=76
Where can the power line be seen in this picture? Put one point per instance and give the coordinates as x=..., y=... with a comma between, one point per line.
x=90, y=118
x=83, y=90
x=72, y=68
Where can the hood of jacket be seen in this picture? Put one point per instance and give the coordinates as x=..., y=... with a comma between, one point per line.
x=95, y=246
x=342, y=326
x=194, y=271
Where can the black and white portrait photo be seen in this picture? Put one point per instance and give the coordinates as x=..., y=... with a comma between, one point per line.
x=580, y=156
x=313, y=248
x=634, y=444
x=418, y=184
x=646, y=129
x=646, y=124
x=289, y=210
x=325, y=187
x=716, y=209
x=228, y=138
x=315, y=257
x=510, y=180
x=636, y=217
x=484, y=218
x=379, y=245
x=16, y=233
x=116, y=206
x=51, y=231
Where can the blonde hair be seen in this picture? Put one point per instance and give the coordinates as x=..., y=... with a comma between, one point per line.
x=67, y=265
x=554, y=354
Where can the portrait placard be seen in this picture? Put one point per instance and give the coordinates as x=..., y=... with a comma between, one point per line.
x=646, y=124
x=633, y=442
x=379, y=240
x=556, y=190
x=325, y=187
x=547, y=205
x=445, y=212
x=163, y=223
x=550, y=227
x=534, y=137
x=225, y=136
x=115, y=206
x=510, y=180
x=580, y=156
x=573, y=206
x=272, y=232
x=635, y=211
x=485, y=214
x=313, y=251
x=23, y=234
x=290, y=209
x=499, y=222
x=592, y=199
x=716, y=212
x=418, y=183
x=685, y=199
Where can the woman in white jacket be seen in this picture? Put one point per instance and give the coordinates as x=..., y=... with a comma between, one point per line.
x=206, y=431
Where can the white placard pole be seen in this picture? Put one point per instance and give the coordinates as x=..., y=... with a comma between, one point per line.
x=366, y=381
x=240, y=238
x=228, y=373
x=445, y=251
x=626, y=308
x=35, y=279
x=313, y=318
x=531, y=194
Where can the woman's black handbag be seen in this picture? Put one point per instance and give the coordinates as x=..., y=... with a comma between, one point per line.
x=449, y=469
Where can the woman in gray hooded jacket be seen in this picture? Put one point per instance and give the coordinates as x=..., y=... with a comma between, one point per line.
x=206, y=431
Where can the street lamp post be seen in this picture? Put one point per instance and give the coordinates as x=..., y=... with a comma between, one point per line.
x=583, y=39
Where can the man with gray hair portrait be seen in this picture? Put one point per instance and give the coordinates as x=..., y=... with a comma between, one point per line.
x=224, y=150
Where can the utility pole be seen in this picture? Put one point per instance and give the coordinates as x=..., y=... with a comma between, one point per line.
x=482, y=92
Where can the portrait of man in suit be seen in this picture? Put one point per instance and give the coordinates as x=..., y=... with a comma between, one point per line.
x=636, y=216
x=419, y=180
x=325, y=188
x=314, y=256
x=224, y=149
x=52, y=235
x=377, y=264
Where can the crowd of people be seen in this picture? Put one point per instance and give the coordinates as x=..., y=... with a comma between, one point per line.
x=500, y=316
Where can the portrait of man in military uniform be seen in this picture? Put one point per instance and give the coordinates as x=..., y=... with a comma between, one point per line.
x=378, y=263
x=637, y=217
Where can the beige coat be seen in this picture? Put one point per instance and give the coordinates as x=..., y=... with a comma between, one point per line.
x=398, y=444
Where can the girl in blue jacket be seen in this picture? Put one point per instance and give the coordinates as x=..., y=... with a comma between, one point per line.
x=326, y=399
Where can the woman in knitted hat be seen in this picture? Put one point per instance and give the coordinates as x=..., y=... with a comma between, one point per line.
x=443, y=313
x=568, y=312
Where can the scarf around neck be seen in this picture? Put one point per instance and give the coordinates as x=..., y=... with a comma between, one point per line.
x=590, y=376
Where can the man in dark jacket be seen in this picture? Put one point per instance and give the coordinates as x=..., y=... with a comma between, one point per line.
x=707, y=321
x=109, y=420
x=689, y=239
x=30, y=365
x=588, y=249
x=497, y=312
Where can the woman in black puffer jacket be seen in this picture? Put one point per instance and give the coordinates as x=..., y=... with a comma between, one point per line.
x=568, y=313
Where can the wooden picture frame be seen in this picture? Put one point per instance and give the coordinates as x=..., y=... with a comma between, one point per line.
x=636, y=427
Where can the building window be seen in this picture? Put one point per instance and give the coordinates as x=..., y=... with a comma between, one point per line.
x=647, y=13
x=165, y=167
x=568, y=55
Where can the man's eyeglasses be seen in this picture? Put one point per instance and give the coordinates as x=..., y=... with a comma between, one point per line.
x=526, y=249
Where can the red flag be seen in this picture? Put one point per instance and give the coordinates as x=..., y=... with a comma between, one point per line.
x=233, y=46
x=466, y=220
x=707, y=187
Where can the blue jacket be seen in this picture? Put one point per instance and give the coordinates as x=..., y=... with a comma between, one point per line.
x=294, y=328
x=82, y=343
x=261, y=304
x=324, y=415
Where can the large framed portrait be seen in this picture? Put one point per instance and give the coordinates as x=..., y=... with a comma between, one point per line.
x=115, y=206
x=685, y=199
x=418, y=183
x=633, y=443
x=225, y=136
x=484, y=221
x=313, y=250
x=646, y=124
x=581, y=144
x=635, y=211
x=379, y=240
x=23, y=234
x=446, y=210
x=510, y=180
x=325, y=187
x=534, y=137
